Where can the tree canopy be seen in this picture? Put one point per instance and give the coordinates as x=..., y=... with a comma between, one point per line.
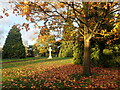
x=90, y=19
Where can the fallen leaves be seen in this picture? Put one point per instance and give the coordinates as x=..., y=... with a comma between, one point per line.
x=1, y=17
x=58, y=75
x=7, y=14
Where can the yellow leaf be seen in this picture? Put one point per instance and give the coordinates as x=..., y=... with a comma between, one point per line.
x=116, y=15
x=33, y=38
x=26, y=2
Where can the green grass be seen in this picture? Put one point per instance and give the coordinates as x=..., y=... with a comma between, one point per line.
x=52, y=73
x=31, y=61
x=22, y=59
x=13, y=68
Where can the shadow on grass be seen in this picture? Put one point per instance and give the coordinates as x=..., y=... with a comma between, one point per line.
x=52, y=78
x=23, y=63
x=63, y=77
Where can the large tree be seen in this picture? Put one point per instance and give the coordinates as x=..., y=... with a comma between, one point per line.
x=13, y=47
x=89, y=18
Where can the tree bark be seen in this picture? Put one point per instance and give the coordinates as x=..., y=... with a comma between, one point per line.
x=86, y=61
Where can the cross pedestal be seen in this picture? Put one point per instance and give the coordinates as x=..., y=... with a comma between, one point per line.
x=50, y=56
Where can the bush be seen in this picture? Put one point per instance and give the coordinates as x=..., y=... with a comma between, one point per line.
x=66, y=49
x=95, y=51
x=78, y=53
x=106, y=56
x=107, y=51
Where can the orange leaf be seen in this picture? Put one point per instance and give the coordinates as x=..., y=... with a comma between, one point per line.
x=7, y=14
x=1, y=16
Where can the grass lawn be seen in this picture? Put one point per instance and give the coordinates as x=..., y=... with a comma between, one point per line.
x=55, y=73
x=23, y=59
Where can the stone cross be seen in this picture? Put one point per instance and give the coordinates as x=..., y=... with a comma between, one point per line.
x=50, y=56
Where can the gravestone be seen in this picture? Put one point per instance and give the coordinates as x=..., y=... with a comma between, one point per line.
x=50, y=56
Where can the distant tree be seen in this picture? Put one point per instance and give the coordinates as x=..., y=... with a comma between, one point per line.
x=43, y=43
x=13, y=47
x=67, y=43
x=56, y=48
x=66, y=49
x=30, y=51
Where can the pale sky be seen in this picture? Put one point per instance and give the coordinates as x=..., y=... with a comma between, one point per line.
x=7, y=22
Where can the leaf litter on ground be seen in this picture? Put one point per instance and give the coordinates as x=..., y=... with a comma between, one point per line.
x=59, y=74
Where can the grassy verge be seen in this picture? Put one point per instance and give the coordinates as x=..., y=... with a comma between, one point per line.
x=24, y=69
x=31, y=61
x=23, y=59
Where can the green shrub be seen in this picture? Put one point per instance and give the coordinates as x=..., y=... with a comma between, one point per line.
x=66, y=49
x=95, y=51
x=107, y=51
x=78, y=53
x=117, y=61
x=106, y=56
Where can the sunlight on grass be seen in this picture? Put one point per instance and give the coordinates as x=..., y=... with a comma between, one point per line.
x=23, y=59
x=17, y=69
x=56, y=73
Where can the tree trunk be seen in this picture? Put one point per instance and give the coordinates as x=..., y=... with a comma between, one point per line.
x=86, y=61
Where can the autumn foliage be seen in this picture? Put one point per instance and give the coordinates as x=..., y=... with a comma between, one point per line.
x=89, y=20
x=58, y=74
